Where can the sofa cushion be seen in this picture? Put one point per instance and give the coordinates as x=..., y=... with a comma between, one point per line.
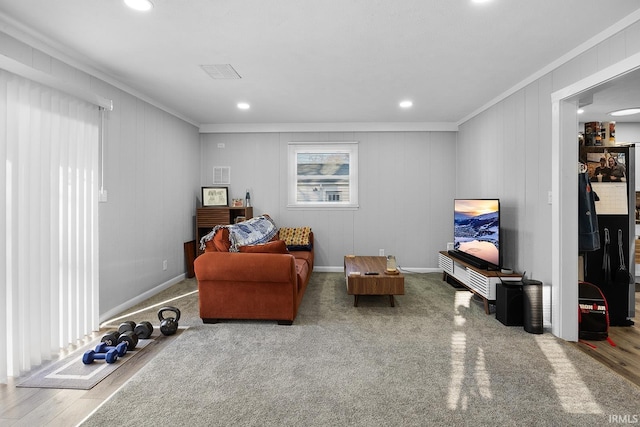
x=297, y=238
x=302, y=271
x=273, y=247
x=307, y=256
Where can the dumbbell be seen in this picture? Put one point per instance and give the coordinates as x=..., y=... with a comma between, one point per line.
x=132, y=333
x=143, y=329
x=129, y=325
x=130, y=338
x=110, y=356
x=121, y=348
x=111, y=338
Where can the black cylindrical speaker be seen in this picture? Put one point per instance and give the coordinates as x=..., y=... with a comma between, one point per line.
x=509, y=303
x=532, y=305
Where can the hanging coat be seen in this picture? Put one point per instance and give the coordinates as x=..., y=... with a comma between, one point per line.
x=589, y=236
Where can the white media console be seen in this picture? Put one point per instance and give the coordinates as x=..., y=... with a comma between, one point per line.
x=480, y=282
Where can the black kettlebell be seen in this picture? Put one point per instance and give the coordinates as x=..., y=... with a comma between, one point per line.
x=168, y=325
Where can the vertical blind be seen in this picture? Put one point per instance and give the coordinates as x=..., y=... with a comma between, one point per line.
x=48, y=222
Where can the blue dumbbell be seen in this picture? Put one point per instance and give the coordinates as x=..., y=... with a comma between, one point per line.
x=121, y=348
x=110, y=356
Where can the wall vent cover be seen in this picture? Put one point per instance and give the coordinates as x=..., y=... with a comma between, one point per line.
x=221, y=71
x=221, y=175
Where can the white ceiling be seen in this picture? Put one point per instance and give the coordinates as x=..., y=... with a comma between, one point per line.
x=622, y=92
x=317, y=61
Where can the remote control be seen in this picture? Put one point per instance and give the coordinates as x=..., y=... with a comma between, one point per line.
x=371, y=273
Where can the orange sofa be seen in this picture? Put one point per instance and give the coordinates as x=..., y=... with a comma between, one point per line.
x=265, y=282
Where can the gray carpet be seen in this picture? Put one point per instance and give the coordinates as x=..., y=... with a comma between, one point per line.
x=434, y=359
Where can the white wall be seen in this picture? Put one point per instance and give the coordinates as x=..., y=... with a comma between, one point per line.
x=505, y=151
x=627, y=132
x=406, y=191
x=151, y=178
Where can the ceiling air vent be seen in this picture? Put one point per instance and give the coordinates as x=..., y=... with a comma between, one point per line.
x=221, y=71
x=221, y=175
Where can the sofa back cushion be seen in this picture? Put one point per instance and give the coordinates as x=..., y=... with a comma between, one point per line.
x=273, y=247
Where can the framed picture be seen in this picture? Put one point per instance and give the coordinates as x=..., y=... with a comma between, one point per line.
x=215, y=196
x=237, y=203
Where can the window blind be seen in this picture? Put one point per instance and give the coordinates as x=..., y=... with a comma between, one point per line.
x=48, y=222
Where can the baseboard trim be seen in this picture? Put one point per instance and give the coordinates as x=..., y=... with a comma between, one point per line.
x=104, y=317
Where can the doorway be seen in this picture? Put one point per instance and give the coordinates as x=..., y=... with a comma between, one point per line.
x=564, y=196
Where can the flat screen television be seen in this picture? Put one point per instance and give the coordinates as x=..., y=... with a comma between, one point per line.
x=476, y=232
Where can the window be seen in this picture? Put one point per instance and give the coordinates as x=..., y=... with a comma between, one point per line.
x=50, y=149
x=323, y=174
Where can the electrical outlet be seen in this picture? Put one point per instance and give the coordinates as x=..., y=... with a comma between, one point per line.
x=164, y=265
x=381, y=252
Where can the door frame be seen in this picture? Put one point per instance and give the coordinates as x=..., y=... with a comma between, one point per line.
x=564, y=200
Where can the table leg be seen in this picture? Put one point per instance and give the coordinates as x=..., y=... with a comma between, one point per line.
x=355, y=300
x=392, y=301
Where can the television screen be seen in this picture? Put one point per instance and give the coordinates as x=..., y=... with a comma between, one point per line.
x=477, y=230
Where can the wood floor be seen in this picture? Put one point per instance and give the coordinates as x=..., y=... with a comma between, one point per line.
x=58, y=407
x=624, y=358
x=55, y=407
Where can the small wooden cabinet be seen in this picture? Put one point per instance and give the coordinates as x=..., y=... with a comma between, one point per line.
x=207, y=218
x=480, y=282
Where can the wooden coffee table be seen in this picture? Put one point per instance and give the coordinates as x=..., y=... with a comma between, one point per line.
x=380, y=284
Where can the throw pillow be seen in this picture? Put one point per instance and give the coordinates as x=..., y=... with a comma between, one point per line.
x=297, y=238
x=273, y=247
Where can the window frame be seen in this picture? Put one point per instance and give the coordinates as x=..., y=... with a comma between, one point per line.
x=295, y=148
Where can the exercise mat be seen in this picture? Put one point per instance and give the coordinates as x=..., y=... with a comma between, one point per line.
x=70, y=373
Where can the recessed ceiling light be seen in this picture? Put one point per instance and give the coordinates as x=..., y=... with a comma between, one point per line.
x=580, y=110
x=625, y=112
x=243, y=105
x=142, y=5
x=406, y=104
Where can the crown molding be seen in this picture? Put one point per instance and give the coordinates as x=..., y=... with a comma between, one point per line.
x=23, y=70
x=36, y=40
x=624, y=23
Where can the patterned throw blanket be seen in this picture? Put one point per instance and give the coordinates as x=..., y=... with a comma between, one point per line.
x=256, y=230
